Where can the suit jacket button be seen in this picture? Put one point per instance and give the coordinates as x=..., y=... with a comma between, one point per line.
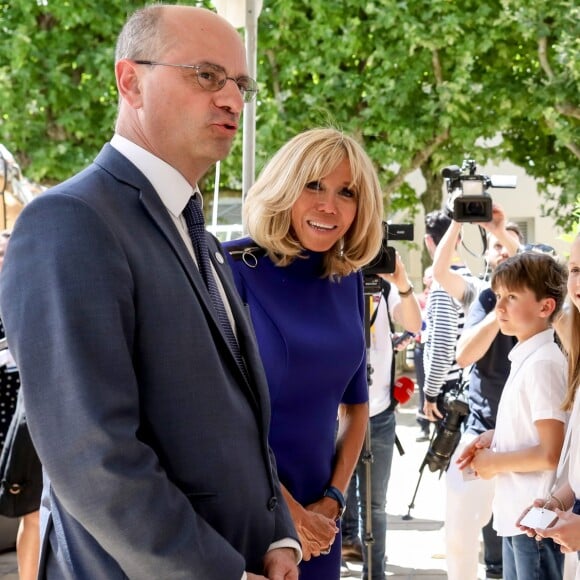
x=272, y=503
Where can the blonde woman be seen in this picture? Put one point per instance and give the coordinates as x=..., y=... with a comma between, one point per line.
x=314, y=218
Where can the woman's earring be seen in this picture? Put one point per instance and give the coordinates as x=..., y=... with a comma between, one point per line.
x=341, y=248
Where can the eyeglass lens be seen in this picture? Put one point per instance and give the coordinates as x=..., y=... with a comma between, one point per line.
x=213, y=78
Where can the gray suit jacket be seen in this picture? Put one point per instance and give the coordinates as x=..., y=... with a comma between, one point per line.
x=154, y=445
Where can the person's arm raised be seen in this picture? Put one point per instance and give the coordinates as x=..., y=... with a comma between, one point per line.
x=452, y=282
x=407, y=313
x=475, y=341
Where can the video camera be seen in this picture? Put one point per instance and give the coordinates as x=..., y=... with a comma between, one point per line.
x=468, y=199
x=449, y=431
x=386, y=260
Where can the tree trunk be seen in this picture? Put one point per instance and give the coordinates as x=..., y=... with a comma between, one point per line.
x=432, y=198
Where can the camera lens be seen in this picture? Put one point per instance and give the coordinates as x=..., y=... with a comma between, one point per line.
x=474, y=209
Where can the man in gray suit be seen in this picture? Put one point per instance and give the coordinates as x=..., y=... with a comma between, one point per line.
x=151, y=424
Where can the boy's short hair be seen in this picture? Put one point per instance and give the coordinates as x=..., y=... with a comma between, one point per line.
x=544, y=275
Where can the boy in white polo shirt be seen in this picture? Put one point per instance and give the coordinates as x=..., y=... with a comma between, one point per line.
x=523, y=450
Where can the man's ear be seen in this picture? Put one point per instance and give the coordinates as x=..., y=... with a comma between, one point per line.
x=128, y=82
x=430, y=244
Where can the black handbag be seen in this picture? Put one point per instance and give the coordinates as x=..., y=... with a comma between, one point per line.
x=20, y=469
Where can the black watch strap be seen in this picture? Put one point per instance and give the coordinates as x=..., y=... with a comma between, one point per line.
x=336, y=494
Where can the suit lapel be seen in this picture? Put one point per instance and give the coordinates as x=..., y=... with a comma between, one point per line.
x=158, y=213
x=118, y=165
x=243, y=329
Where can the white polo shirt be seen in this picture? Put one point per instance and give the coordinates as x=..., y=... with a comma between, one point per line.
x=534, y=391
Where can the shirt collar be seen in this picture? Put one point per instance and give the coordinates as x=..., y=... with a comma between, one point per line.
x=170, y=185
x=523, y=349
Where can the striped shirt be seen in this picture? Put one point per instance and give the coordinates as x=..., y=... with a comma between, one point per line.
x=444, y=319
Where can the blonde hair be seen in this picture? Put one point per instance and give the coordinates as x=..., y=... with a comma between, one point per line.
x=308, y=157
x=573, y=353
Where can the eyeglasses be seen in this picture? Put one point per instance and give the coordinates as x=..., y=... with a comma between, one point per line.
x=213, y=78
x=540, y=249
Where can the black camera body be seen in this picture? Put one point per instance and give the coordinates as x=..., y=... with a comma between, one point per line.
x=468, y=199
x=449, y=431
x=385, y=261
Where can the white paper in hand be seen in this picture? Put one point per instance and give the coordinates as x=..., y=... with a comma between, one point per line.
x=539, y=518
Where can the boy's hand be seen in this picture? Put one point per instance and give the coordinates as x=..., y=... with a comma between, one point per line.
x=482, y=442
x=483, y=463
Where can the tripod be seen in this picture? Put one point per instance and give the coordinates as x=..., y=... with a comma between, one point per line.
x=372, y=287
x=444, y=440
x=408, y=515
x=367, y=453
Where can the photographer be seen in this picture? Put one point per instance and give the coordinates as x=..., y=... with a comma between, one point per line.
x=397, y=300
x=500, y=241
x=444, y=322
x=482, y=346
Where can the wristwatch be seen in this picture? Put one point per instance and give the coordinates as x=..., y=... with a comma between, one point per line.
x=336, y=495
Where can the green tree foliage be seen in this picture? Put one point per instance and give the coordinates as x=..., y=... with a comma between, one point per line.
x=56, y=74
x=544, y=134
x=422, y=84
x=58, y=93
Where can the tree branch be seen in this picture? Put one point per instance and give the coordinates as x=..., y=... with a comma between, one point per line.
x=275, y=79
x=437, y=71
x=568, y=110
x=543, y=57
x=574, y=148
x=565, y=109
x=418, y=159
x=571, y=146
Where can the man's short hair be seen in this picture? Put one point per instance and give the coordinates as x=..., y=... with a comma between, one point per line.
x=513, y=227
x=436, y=224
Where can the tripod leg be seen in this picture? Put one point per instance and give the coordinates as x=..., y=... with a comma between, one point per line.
x=408, y=515
x=369, y=538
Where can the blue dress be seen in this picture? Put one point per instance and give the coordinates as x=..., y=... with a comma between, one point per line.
x=311, y=339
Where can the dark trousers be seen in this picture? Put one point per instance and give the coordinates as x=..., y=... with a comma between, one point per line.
x=420, y=377
x=354, y=521
x=492, y=546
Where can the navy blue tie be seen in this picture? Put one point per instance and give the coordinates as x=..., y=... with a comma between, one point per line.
x=196, y=227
